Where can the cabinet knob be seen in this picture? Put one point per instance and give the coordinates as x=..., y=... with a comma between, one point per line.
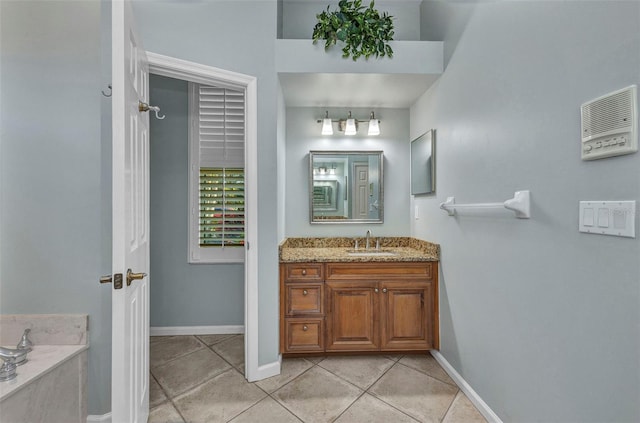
x=384, y=290
x=305, y=292
x=304, y=272
x=305, y=328
x=376, y=290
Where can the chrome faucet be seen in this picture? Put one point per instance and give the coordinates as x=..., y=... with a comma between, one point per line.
x=9, y=356
x=368, y=236
x=15, y=355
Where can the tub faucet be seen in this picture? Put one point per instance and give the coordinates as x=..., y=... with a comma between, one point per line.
x=368, y=236
x=25, y=343
x=9, y=356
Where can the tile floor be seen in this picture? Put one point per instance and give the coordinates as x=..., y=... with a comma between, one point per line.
x=200, y=379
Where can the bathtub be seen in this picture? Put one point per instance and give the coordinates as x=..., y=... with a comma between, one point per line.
x=51, y=386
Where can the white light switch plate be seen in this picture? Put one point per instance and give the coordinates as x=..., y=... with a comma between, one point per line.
x=615, y=218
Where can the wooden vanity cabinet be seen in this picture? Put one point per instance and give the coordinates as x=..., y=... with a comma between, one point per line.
x=358, y=307
x=302, y=324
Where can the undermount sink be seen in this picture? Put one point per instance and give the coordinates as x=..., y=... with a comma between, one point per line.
x=373, y=253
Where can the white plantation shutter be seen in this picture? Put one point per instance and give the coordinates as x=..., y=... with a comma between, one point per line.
x=217, y=179
x=221, y=127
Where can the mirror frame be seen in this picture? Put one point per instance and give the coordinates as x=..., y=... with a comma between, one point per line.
x=316, y=153
x=423, y=167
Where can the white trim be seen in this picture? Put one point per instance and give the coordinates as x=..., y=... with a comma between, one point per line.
x=473, y=396
x=105, y=418
x=271, y=369
x=251, y=317
x=195, y=330
x=195, y=72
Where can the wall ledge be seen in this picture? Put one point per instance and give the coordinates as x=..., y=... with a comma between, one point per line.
x=409, y=57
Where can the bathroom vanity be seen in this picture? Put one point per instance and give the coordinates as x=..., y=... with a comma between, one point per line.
x=336, y=299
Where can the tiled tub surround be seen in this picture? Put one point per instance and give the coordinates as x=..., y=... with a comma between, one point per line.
x=336, y=249
x=51, y=385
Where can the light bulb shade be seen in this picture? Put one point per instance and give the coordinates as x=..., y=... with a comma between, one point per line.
x=374, y=127
x=327, y=127
x=350, y=129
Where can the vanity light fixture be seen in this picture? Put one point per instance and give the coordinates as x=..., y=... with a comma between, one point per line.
x=374, y=127
x=349, y=125
x=350, y=128
x=327, y=125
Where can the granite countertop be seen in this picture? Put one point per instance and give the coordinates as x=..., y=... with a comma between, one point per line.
x=336, y=249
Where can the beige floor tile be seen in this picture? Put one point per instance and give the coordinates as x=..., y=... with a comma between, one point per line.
x=368, y=409
x=219, y=399
x=266, y=410
x=165, y=413
x=171, y=347
x=425, y=363
x=232, y=350
x=463, y=411
x=290, y=369
x=362, y=371
x=394, y=357
x=421, y=396
x=190, y=370
x=317, y=396
x=315, y=360
x=214, y=339
x=156, y=395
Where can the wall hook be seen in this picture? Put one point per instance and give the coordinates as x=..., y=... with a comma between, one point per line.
x=144, y=107
x=110, y=91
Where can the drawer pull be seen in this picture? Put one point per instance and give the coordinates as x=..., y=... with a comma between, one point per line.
x=305, y=328
x=305, y=292
x=384, y=290
x=304, y=272
x=375, y=290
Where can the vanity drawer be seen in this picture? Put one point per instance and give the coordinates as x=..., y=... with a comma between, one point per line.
x=304, y=298
x=303, y=272
x=304, y=335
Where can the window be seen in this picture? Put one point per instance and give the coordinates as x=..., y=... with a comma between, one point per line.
x=217, y=201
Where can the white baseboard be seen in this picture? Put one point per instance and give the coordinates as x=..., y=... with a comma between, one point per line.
x=268, y=370
x=473, y=396
x=105, y=418
x=195, y=330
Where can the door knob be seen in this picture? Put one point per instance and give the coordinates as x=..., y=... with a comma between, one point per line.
x=106, y=279
x=134, y=276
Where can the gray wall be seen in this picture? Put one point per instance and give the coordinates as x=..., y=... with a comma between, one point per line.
x=303, y=135
x=51, y=190
x=299, y=17
x=222, y=34
x=182, y=294
x=540, y=319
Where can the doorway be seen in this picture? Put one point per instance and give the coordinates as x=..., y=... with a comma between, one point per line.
x=192, y=72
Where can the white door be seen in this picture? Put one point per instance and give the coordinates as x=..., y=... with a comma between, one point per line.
x=130, y=298
x=360, y=191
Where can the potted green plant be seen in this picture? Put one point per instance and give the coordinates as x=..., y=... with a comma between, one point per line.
x=363, y=30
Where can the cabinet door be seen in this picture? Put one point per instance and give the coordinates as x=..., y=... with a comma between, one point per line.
x=406, y=313
x=352, y=322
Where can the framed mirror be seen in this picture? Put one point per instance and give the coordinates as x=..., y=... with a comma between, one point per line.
x=346, y=187
x=423, y=164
